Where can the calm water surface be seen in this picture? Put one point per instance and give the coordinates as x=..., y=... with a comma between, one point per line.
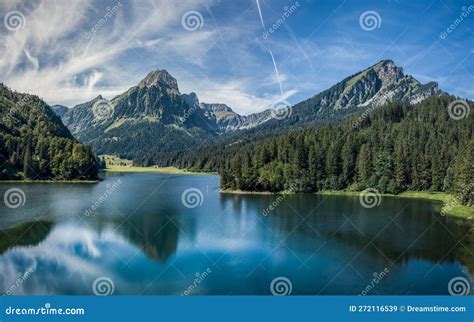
x=142, y=238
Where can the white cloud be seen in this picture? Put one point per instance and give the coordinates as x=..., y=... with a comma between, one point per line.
x=57, y=53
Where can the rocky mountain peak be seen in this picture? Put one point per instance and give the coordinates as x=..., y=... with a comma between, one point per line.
x=387, y=71
x=216, y=107
x=191, y=99
x=160, y=78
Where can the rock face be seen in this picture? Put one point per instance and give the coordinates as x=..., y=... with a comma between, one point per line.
x=155, y=109
x=375, y=86
x=60, y=110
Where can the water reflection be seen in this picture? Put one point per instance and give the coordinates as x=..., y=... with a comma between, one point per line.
x=147, y=242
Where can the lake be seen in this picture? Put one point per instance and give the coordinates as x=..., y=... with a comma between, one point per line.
x=149, y=233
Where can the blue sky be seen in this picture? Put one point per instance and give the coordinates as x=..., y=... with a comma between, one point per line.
x=68, y=52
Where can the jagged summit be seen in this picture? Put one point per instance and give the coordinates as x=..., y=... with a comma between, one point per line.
x=161, y=78
x=216, y=107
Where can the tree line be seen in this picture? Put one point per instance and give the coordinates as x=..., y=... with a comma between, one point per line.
x=34, y=144
x=395, y=148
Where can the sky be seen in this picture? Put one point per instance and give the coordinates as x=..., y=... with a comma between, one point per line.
x=248, y=54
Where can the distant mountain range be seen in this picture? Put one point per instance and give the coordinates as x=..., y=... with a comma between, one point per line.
x=153, y=119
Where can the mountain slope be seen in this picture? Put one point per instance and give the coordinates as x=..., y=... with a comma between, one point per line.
x=397, y=147
x=34, y=144
x=149, y=119
x=167, y=124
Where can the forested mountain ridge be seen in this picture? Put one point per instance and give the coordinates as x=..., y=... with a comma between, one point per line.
x=395, y=148
x=34, y=143
x=153, y=123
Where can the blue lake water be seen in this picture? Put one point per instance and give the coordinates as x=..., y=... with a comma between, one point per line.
x=144, y=233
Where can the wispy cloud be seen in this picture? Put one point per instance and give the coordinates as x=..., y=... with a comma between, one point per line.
x=68, y=52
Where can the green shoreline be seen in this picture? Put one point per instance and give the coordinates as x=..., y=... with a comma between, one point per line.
x=132, y=169
x=51, y=181
x=450, y=206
